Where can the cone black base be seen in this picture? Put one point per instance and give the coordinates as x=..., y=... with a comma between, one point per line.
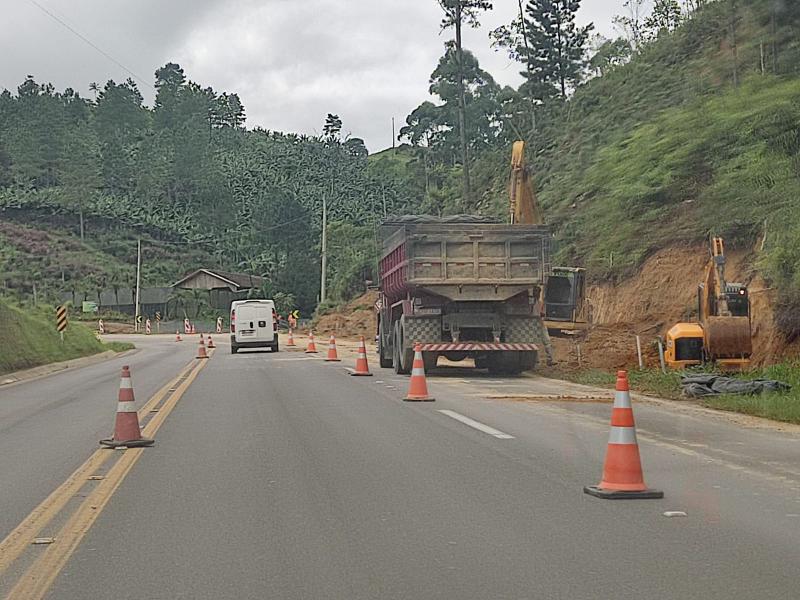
x=361, y=374
x=597, y=492
x=140, y=443
x=419, y=399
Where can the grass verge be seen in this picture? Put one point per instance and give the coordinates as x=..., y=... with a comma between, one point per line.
x=778, y=406
x=28, y=338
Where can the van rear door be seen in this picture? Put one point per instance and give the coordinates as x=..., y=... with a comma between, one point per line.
x=254, y=322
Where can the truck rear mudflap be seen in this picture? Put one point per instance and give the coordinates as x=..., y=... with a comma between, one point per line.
x=479, y=347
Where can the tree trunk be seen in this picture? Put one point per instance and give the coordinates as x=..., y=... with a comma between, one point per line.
x=462, y=109
x=80, y=216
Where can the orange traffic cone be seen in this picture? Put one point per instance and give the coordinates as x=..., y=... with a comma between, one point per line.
x=362, y=368
x=126, y=427
x=211, y=341
x=418, y=388
x=201, y=349
x=312, y=347
x=333, y=356
x=290, y=342
x=178, y=335
x=622, y=471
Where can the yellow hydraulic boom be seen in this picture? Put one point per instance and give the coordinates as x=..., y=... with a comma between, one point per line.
x=564, y=306
x=524, y=206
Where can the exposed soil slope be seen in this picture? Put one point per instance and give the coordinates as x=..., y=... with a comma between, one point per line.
x=662, y=293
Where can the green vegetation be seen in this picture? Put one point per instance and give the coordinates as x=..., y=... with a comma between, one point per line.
x=782, y=406
x=185, y=176
x=778, y=406
x=28, y=338
x=649, y=381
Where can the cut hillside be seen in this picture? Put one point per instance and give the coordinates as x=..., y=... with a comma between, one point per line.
x=29, y=339
x=664, y=292
x=690, y=137
x=355, y=318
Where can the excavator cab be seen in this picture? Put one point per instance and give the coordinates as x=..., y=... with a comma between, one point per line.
x=564, y=301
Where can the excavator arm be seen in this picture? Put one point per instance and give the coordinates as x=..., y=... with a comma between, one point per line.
x=524, y=205
x=564, y=293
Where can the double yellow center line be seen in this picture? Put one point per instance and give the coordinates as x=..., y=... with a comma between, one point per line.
x=38, y=578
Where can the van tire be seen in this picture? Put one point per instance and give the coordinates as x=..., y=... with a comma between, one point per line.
x=234, y=349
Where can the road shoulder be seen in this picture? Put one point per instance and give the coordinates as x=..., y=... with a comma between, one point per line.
x=18, y=377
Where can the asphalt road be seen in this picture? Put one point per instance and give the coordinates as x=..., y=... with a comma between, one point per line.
x=49, y=426
x=279, y=476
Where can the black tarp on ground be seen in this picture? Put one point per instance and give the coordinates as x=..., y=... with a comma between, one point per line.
x=709, y=385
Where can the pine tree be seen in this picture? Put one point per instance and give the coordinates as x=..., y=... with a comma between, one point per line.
x=551, y=45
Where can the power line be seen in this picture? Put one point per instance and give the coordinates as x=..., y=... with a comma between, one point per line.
x=92, y=44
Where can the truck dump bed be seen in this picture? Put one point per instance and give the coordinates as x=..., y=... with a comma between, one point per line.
x=462, y=260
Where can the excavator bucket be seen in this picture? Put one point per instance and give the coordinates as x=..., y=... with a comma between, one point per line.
x=728, y=337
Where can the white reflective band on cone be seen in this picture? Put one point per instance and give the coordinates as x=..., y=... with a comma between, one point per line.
x=126, y=407
x=622, y=399
x=125, y=383
x=417, y=372
x=622, y=435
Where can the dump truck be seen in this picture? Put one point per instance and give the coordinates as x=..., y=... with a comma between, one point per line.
x=462, y=287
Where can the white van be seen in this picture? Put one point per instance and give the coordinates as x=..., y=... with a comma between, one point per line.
x=254, y=324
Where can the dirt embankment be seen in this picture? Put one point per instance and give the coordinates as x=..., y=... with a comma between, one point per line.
x=356, y=318
x=663, y=293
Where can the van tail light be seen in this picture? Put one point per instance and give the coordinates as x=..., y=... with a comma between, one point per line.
x=233, y=321
x=274, y=320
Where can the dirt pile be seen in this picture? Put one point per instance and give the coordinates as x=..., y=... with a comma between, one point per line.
x=355, y=318
x=664, y=292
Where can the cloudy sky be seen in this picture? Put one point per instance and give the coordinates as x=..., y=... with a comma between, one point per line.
x=291, y=61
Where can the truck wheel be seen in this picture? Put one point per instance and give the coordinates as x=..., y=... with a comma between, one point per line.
x=402, y=365
x=234, y=349
x=430, y=359
x=505, y=363
x=384, y=353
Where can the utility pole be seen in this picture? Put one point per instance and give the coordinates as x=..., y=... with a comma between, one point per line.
x=323, y=279
x=393, y=134
x=138, y=281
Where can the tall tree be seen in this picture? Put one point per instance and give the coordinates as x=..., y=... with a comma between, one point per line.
x=666, y=16
x=456, y=14
x=550, y=43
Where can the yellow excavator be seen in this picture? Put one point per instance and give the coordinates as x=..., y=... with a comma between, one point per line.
x=565, y=306
x=723, y=334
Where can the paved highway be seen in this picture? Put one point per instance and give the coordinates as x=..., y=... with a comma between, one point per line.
x=280, y=476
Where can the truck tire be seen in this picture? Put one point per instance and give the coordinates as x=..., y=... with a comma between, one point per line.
x=505, y=363
x=234, y=349
x=384, y=353
x=430, y=359
x=401, y=362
